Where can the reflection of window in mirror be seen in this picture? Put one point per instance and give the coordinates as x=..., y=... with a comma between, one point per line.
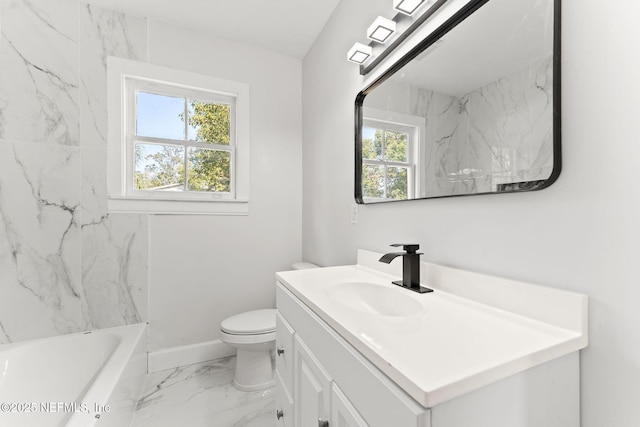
x=391, y=145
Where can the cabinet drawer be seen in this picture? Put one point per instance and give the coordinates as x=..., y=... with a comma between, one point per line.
x=284, y=351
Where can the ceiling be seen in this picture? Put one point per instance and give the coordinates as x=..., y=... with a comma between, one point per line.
x=286, y=26
x=470, y=57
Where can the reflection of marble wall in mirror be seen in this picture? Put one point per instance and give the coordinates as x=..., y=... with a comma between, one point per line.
x=510, y=124
x=499, y=133
x=440, y=143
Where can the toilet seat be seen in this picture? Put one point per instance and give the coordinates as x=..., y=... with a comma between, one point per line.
x=248, y=338
x=256, y=322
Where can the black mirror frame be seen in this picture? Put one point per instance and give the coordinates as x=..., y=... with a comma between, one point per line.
x=433, y=37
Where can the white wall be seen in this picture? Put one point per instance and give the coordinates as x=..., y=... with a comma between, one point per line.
x=580, y=234
x=205, y=268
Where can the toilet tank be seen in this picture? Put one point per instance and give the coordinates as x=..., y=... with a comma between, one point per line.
x=303, y=265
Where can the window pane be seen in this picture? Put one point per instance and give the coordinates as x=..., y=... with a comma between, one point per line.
x=159, y=116
x=159, y=167
x=373, y=181
x=209, y=122
x=397, y=183
x=371, y=143
x=209, y=170
x=395, y=146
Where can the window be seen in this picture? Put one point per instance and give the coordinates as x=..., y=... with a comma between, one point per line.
x=178, y=141
x=390, y=149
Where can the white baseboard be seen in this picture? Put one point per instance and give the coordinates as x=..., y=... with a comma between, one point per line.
x=170, y=358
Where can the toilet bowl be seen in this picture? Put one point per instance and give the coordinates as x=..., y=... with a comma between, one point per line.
x=253, y=334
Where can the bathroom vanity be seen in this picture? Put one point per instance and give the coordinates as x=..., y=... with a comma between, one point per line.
x=355, y=350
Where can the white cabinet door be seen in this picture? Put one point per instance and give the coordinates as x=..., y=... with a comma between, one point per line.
x=312, y=388
x=343, y=414
x=284, y=351
x=285, y=415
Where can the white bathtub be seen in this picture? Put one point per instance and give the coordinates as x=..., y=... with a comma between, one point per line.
x=78, y=380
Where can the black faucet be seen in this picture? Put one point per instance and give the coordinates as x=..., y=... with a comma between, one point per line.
x=410, y=267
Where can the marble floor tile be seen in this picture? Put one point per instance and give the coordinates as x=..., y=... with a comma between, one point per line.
x=201, y=395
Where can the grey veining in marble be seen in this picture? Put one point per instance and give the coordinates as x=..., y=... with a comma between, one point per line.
x=41, y=290
x=201, y=395
x=499, y=133
x=114, y=269
x=103, y=33
x=114, y=247
x=66, y=265
x=39, y=74
x=441, y=113
x=509, y=121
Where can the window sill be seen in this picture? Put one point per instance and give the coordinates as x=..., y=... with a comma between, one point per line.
x=177, y=207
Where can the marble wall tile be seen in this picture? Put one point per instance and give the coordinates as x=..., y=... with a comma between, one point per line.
x=499, y=133
x=114, y=269
x=39, y=73
x=509, y=124
x=470, y=167
x=40, y=286
x=441, y=114
x=93, y=207
x=65, y=264
x=103, y=33
x=114, y=247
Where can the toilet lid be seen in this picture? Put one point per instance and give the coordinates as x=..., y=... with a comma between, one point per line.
x=251, y=322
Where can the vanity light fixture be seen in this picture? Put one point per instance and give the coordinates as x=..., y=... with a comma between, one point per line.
x=381, y=29
x=407, y=6
x=359, y=53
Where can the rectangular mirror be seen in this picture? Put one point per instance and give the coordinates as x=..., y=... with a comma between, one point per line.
x=473, y=109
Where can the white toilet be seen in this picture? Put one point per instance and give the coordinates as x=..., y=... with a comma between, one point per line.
x=253, y=334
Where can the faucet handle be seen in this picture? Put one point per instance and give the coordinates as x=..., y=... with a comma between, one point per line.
x=411, y=248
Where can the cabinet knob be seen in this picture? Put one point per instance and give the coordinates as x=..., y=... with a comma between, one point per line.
x=279, y=414
x=323, y=422
x=280, y=351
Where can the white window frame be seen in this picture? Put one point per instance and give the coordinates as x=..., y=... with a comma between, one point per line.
x=132, y=86
x=125, y=77
x=415, y=127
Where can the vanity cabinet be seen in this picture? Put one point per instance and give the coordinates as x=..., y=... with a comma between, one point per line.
x=322, y=380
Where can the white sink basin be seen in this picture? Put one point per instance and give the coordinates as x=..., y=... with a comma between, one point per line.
x=375, y=299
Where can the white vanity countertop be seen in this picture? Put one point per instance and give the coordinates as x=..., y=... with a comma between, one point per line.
x=471, y=331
